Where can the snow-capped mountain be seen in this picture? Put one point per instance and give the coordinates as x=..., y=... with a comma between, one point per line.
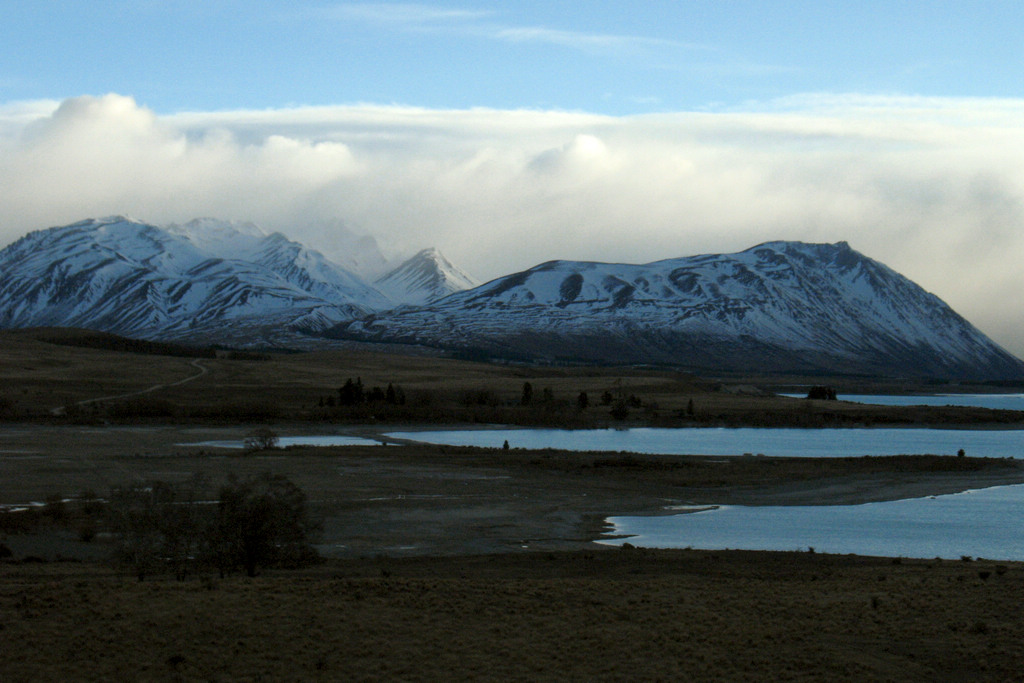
x=305, y=268
x=424, y=278
x=778, y=306
x=206, y=279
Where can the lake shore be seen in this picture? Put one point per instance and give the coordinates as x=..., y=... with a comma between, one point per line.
x=441, y=500
x=470, y=563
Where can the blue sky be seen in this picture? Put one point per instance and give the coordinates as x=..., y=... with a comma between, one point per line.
x=511, y=133
x=596, y=56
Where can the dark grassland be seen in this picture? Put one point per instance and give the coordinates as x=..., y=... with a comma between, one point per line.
x=615, y=615
x=97, y=385
x=463, y=563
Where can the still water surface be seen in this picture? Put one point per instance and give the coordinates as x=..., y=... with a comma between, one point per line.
x=285, y=441
x=782, y=442
x=993, y=401
x=982, y=523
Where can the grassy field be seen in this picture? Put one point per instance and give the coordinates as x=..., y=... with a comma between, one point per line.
x=88, y=385
x=610, y=615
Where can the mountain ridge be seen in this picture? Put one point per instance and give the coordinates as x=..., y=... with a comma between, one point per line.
x=424, y=278
x=780, y=306
x=198, y=280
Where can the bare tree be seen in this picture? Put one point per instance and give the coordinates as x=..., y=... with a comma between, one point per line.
x=261, y=439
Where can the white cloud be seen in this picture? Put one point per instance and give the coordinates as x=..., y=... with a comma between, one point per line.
x=486, y=24
x=933, y=188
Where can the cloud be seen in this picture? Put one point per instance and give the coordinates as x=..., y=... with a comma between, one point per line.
x=401, y=14
x=933, y=188
x=589, y=42
x=487, y=24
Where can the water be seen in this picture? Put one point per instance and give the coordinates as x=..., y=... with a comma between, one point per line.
x=781, y=442
x=993, y=401
x=285, y=441
x=982, y=523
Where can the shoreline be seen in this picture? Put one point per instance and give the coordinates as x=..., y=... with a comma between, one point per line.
x=422, y=499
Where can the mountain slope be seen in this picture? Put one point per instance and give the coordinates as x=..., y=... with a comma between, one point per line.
x=204, y=279
x=424, y=278
x=779, y=306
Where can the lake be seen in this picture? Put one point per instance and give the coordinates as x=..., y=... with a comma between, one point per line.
x=782, y=442
x=993, y=401
x=285, y=441
x=981, y=523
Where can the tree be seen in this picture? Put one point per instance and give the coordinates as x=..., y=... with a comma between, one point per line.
x=351, y=393
x=134, y=517
x=619, y=411
x=159, y=525
x=822, y=393
x=527, y=394
x=261, y=439
x=582, y=401
x=260, y=522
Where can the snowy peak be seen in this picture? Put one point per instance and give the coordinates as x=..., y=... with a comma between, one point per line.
x=223, y=239
x=778, y=306
x=424, y=278
x=205, y=279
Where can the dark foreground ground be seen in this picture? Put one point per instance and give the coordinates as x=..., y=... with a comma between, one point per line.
x=608, y=614
x=479, y=564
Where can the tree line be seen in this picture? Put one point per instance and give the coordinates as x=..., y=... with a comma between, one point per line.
x=353, y=393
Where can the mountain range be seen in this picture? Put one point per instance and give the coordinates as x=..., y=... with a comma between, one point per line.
x=206, y=280
x=777, y=307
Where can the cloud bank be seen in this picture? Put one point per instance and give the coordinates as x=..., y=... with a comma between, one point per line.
x=932, y=187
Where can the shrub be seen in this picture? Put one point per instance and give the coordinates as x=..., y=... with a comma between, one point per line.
x=259, y=522
x=255, y=523
x=822, y=393
x=261, y=439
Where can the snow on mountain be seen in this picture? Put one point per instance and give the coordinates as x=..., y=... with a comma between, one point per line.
x=777, y=306
x=780, y=306
x=206, y=278
x=224, y=239
x=424, y=278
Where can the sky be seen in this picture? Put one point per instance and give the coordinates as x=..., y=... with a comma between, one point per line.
x=511, y=133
